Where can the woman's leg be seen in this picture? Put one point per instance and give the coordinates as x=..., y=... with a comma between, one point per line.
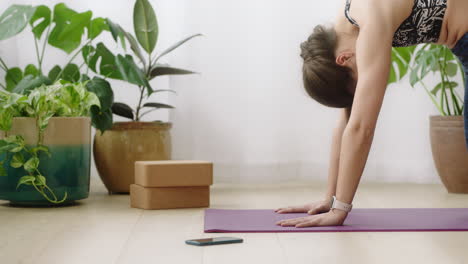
x=461, y=51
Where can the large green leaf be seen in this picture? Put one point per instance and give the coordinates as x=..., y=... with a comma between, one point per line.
x=145, y=25
x=69, y=28
x=14, y=20
x=123, y=110
x=167, y=70
x=44, y=16
x=451, y=69
x=131, y=72
x=107, y=66
x=103, y=91
x=176, y=45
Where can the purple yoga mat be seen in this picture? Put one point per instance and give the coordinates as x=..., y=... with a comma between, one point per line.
x=358, y=220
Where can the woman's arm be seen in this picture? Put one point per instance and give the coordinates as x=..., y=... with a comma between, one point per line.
x=373, y=51
x=335, y=152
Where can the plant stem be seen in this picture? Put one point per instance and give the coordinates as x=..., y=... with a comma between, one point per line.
x=3, y=86
x=137, y=115
x=72, y=58
x=3, y=65
x=432, y=98
x=37, y=54
x=46, y=40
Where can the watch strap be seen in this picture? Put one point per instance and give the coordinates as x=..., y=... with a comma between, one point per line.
x=341, y=205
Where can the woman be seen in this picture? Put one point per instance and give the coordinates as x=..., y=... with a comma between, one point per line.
x=347, y=66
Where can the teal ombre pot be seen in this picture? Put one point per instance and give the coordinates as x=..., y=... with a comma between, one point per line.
x=66, y=170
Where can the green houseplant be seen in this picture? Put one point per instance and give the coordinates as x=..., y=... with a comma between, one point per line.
x=44, y=118
x=446, y=130
x=45, y=143
x=116, y=151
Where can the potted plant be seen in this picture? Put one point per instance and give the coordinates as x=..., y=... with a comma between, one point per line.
x=44, y=119
x=446, y=130
x=45, y=143
x=116, y=151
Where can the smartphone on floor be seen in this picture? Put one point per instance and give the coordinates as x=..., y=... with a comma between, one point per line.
x=213, y=241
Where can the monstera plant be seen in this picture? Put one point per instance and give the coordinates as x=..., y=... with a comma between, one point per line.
x=449, y=149
x=116, y=151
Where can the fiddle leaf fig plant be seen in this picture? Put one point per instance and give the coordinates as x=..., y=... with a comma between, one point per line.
x=60, y=99
x=419, y=61
x=62, y=28
x=141, y=67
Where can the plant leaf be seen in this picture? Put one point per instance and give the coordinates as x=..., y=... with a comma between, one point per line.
x=27, y=180
x=13, y=77
x=107, y=66
x=451, y=69
x=69, y=28
x=96, y=26
x=54, y=72
x=103, y=91
x=71, y=73
x=40, y=180
x=122, y=109
x=101, y=120
x=31, y=70
x=131, y=72
x=117, y=32
x=44, y=15
x=30, y=82
x=31, y=164
x=17, y=161
x=157, y=105
x=166, y=70
x=176, y=45
x=145, y=25
x=14, y=20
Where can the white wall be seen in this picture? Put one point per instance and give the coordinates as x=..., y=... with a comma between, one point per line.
x=247, y=111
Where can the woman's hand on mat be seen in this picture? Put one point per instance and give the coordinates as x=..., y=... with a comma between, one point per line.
x=331, y=218
x=310, y=208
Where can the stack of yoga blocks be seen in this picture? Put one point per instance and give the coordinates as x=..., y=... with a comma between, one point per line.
x=166, y=184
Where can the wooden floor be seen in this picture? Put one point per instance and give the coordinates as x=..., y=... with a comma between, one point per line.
x=104, y=229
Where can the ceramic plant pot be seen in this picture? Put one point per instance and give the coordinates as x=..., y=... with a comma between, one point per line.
x=116, y=151
x=449, y=152
x=66, y=170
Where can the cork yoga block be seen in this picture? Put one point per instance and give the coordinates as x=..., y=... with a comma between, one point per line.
x=172, y=173
x=169, y=197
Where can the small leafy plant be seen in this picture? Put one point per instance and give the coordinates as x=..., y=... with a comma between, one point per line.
x=60, y=99
x=137, y=72
x=420, y=61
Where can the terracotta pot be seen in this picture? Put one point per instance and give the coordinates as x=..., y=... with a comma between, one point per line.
x=116, y=151
x=449, y=152
x=66, y=170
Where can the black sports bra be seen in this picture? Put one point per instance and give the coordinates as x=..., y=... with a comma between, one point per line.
x=422, y=26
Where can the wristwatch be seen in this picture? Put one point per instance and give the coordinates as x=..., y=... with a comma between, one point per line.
x=340, y=205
